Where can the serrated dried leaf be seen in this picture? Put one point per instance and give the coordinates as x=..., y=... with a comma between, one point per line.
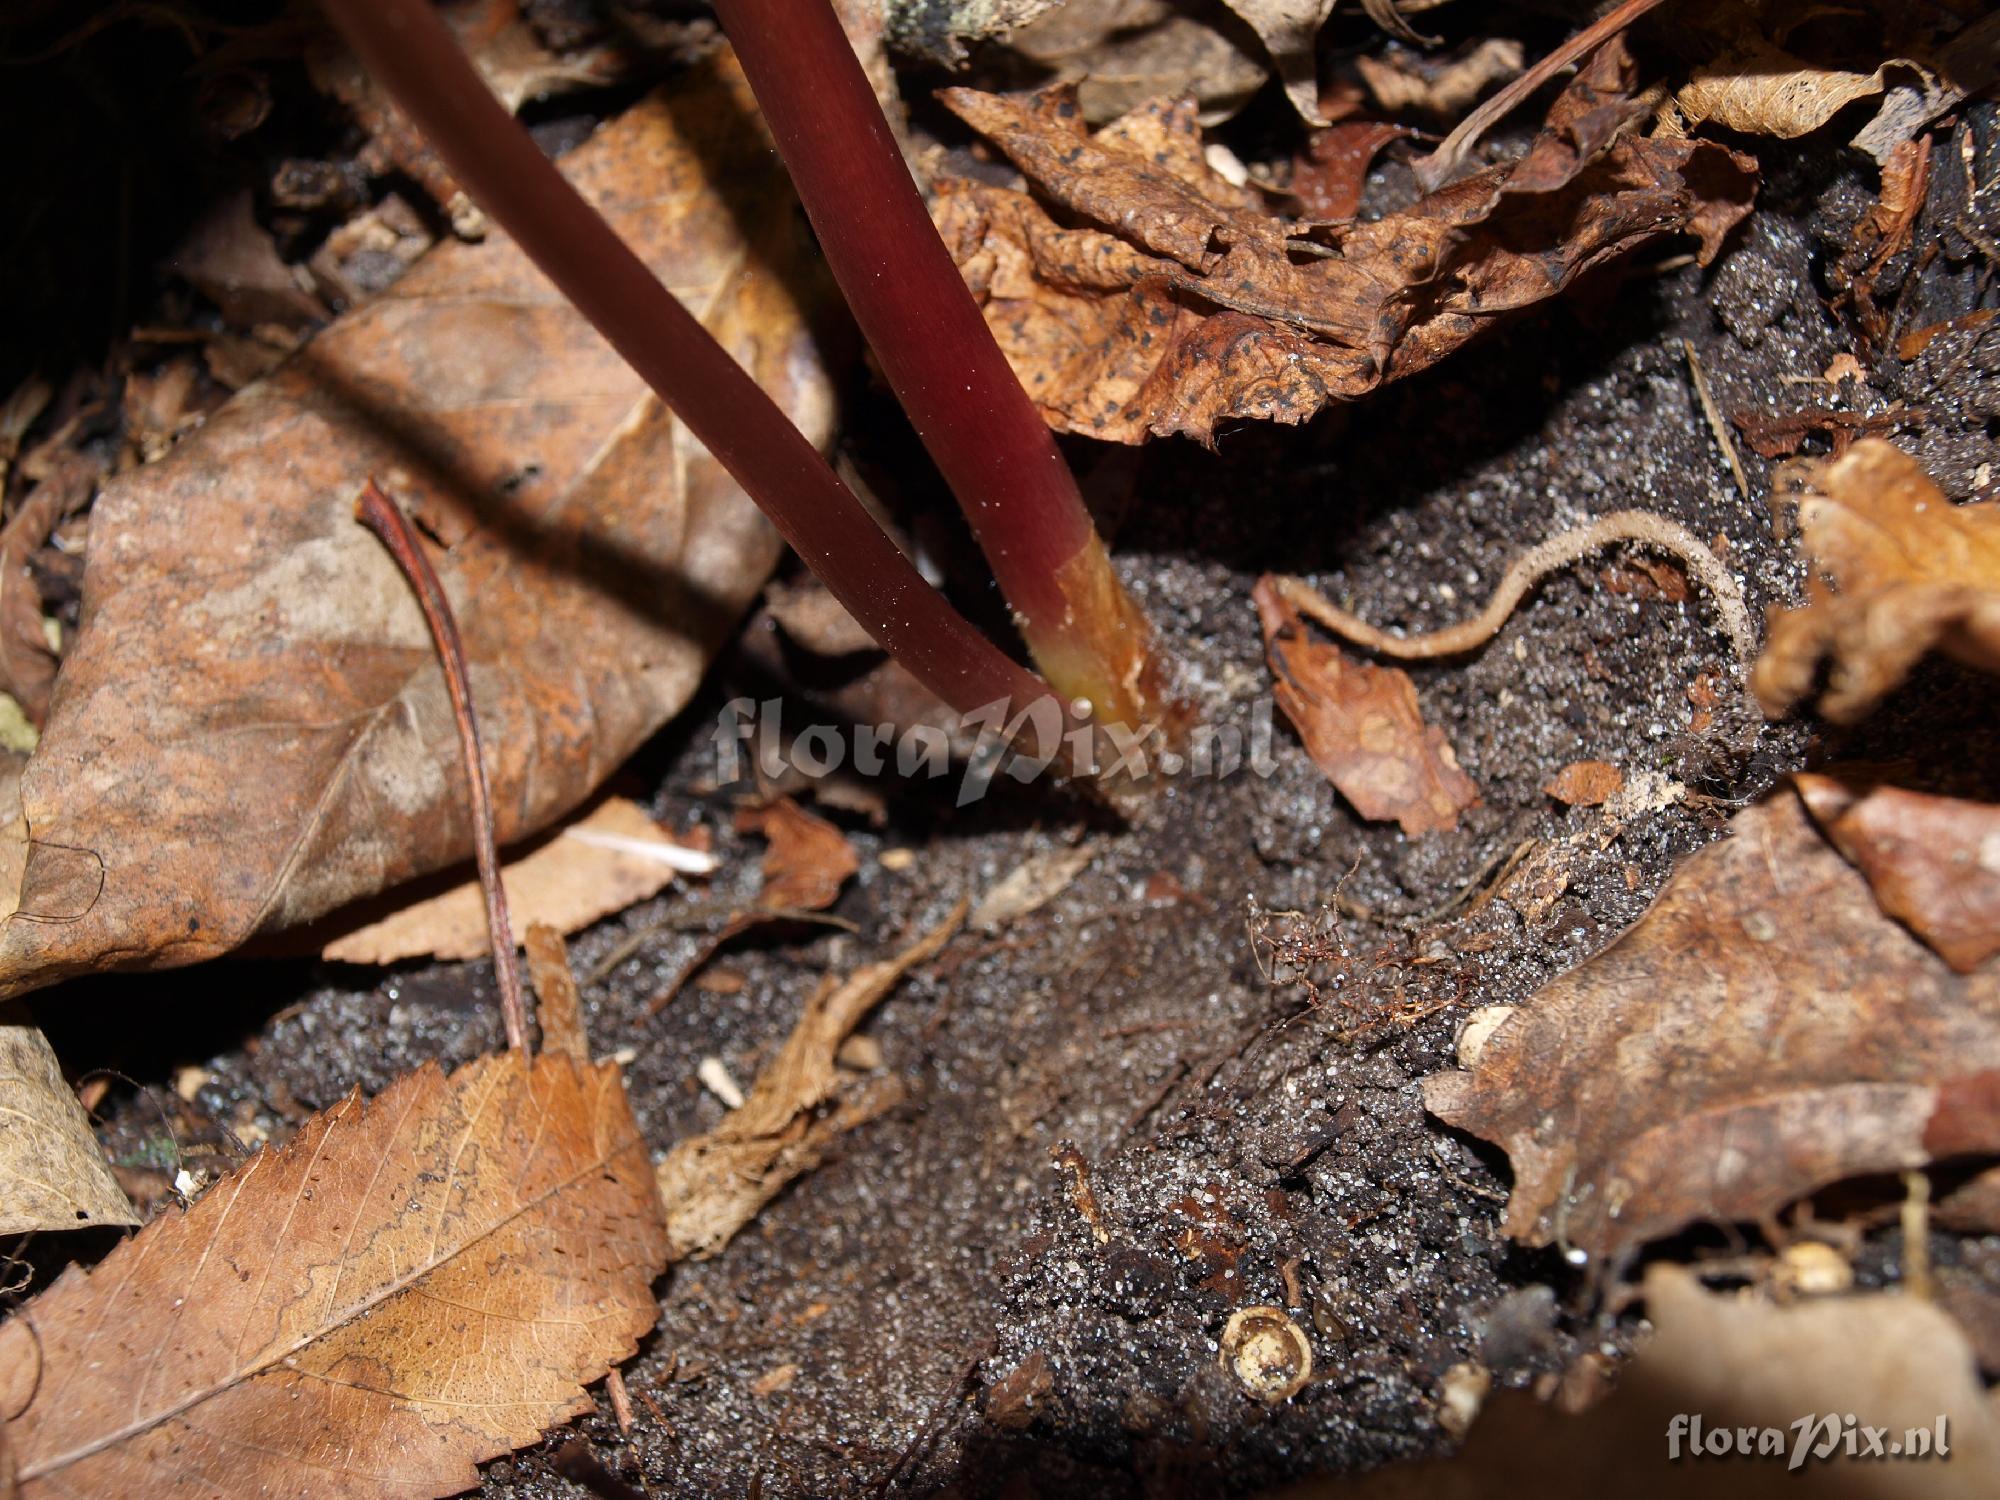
x=1763, y=1031
x=1361, y=725
x=407, y=1288
x=1157, y=299
x=1914, y=574
x=564, y=880
x=52, y=1176
x=714, y=1184
x=253, y=729
x=1934, y=862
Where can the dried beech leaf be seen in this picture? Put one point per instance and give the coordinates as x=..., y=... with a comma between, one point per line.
x=253, y=728
x=1288, y=30
x=1763, y=1031
x=1894, y=1361
x=714, y=1184
x=1159, y=300
x=564, y=880
x=52, y=1176
x=1914, y=573
x=808, y=861
x=1585, y=783
x=1934, y=861
x=404, y=1290
x=1362, y=726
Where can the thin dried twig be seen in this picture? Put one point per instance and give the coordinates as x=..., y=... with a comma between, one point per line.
x=1716, y=424
x=1527, y=570
x=385, y=518
x=1443, y=164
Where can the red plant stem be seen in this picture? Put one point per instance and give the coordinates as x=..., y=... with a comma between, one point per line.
x=385, y=518
x=963, y=397
x=412, y=53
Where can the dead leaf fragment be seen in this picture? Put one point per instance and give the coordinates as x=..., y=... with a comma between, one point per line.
x=1759, y=89
x=1896, y=1362
x=1288, y=30
x=1585, y=783
x=1912, y=573
x=1154, y=298
x=1361, y=725
x=1446, y=92
x=1119, y=54
x=27, y=664
x=566, y=880
x=1934, y=862
x=407, y=1288
x=52, y=1176
x=1038, y=880
x=252, y=728
x=714, y=1184
x=1763, y=1031
x=809, y=859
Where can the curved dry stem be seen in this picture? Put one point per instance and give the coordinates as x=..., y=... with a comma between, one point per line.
x=1529, y=569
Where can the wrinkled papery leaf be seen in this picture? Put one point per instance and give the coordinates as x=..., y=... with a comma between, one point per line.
x=1361, y=725
x=1177, y=303
x=588, y=869
x=713, y=1184
x=405, y=1289
x=52, y=1176
x=1914, y=574
x=1763, y=1031
x=1934, y=862
x=253, y=728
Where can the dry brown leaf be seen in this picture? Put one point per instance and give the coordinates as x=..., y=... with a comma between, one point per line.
x=1037, y=881
x=1164, y=300
x=1759, y=89
x=567, y=880
x=808, y=861
x=253, y=729
x=1121, y=53
x=52, y=1176
x=1332, y=172
x=1763, y=1031
x=1893, y=1361
x=1361, y=725
x=1288, y=29
x=1585, y=783
x=404, y=1290
x=1934, y=861
x=714, y=1184
x=1914, y=574
x=27, y=664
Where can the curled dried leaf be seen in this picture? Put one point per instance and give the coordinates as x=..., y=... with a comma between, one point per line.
x=1361, y=725
x=1155, y=298
x=1911, y=573
x=808, y=861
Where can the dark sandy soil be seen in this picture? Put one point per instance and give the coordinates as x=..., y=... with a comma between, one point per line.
x=1248, y=1138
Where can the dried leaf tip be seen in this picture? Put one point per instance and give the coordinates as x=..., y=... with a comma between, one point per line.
x=381, y=515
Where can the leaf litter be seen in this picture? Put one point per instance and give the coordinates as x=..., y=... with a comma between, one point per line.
x=1179, y=305
x=252, y=661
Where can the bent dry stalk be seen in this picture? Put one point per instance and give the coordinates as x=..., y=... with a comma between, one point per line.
x=411, y=52
x=383, y=516
x=967, y=405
